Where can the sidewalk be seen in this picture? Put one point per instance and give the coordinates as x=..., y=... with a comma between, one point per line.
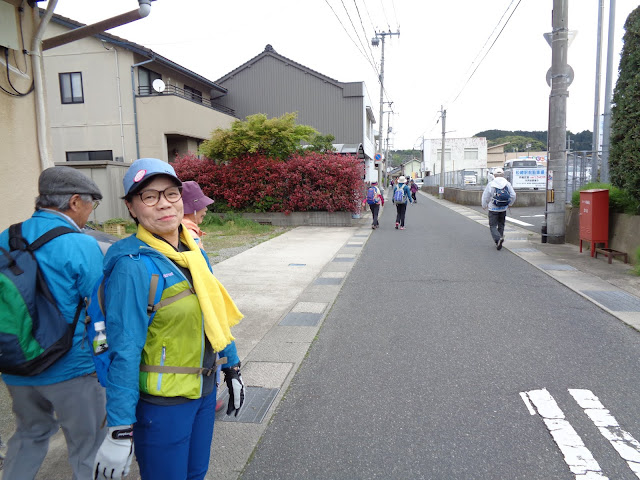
x=610, y=286
x=286, y=287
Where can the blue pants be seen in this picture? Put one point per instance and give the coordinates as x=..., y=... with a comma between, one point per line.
x=173, y=442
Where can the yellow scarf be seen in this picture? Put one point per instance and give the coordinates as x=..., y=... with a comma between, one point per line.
x=219, y=311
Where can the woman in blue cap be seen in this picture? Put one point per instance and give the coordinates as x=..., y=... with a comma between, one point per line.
x=161, y=389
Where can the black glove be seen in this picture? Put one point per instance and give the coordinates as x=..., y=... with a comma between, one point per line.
x=233, y=379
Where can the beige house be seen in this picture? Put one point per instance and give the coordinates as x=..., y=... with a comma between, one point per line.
x=111, y=101
x=20, y=162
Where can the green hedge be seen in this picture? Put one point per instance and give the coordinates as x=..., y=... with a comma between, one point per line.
x=620, y=201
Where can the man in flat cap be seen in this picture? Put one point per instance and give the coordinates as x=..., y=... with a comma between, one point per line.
x=65, y=395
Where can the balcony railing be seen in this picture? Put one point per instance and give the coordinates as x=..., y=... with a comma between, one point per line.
x=145, y=90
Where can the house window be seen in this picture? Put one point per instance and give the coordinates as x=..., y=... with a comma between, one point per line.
x=193, y=94
x=90, y=155
x=71, y=87
x=471, y=154
x=145, y=80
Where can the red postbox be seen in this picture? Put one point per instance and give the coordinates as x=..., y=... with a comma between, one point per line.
x=594, y=218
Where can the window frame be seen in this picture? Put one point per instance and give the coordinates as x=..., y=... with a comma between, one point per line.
x=74, y=99
x=89, y=155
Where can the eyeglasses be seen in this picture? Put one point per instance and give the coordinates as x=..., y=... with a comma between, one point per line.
x=95, y=204
x=152, y=197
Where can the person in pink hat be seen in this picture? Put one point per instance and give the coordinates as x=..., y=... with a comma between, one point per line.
x=195, y=208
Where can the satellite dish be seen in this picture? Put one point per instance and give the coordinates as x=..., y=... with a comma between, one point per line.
x=158, y=85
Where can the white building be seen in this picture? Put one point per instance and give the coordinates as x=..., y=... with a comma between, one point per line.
x=459, y=154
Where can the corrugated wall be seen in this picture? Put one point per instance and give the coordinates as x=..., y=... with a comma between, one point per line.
x=273, y=87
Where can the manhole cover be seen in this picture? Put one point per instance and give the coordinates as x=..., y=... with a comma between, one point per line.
x=257, y=401
x=615, y=300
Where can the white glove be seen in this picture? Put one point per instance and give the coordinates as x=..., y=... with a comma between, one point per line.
x=114, y=456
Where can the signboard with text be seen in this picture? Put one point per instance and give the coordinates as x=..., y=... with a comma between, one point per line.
x=529, y=177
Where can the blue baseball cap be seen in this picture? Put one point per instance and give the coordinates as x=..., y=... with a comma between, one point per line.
x=145, y=168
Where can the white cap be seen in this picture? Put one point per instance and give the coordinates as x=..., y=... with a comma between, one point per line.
x=498, y=171
x=99, y=326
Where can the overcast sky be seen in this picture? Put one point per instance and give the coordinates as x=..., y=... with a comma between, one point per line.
x=440, y=44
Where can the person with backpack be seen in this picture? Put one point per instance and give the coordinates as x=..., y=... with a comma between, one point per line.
x=414, y=188
x=374, y=200
x=401, y=198
x=65, y=394
x=163, y=352
x=498, y=195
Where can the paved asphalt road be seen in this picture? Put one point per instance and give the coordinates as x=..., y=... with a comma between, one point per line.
x=418, y=369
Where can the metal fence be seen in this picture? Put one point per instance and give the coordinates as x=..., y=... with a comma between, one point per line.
x=579, y=168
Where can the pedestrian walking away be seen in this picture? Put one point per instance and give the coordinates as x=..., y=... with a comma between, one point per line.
x=414, y=188
x=498, y=195
x=161, y=388
x=401, y=198
x=375, y=200
x=66, y=394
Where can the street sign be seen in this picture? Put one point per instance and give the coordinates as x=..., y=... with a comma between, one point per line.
x=377, y=157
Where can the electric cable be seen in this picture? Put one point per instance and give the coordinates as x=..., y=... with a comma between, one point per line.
x=18, y=92
x=364, y=31
x=487, y=53
x=354, y=28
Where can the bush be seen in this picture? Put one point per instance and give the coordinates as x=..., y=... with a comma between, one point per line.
x=620, y=201
x=305, y=182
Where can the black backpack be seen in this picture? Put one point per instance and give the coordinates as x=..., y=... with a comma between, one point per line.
x=33, y=332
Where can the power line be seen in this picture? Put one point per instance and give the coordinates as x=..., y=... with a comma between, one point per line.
x=354, y=29
x=365, y=33
x=350, y=38
x=494, y=42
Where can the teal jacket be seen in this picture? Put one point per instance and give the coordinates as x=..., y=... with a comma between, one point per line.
x=126, y=299
x=407, y=192
x=71, y=265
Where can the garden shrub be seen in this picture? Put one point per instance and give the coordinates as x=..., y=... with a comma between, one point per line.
x=310, y=181
x=620, y=201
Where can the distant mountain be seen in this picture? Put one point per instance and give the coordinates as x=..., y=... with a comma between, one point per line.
x=579, y=142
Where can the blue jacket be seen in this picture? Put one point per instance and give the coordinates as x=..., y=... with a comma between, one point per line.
x=71, y=265
x=127, y=321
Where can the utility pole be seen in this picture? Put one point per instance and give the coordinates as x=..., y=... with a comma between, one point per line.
x=561, y=74
x=608, y=94
x=375, y=41
x=595, y=142
x=443, y=117
x=386, y=154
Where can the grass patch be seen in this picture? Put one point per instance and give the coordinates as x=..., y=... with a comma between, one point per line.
x=233, y=231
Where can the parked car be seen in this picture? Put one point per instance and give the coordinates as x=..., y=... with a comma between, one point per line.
x=419, y=182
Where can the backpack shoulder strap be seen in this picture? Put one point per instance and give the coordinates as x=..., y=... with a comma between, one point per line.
x=18, y=242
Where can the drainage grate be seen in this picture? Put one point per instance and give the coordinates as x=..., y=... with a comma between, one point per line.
x=615, y=300
x=257, y=401
x=558, y=266
x=301, y=319
x=519, y=250
x=328, y=281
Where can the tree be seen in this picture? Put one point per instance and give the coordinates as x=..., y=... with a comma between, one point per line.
x=321, y=143
x=276, y=138
x=624, y=157
x=519, y=143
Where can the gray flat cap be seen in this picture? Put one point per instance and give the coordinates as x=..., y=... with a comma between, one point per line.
x=67, y=180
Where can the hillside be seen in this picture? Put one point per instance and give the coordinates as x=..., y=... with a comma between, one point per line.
x=579, y=142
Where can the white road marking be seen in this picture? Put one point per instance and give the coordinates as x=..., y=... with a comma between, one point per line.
x=576, y=455
x=518, y=222
x=527, y=402
x=531, y=216
x=627, y=446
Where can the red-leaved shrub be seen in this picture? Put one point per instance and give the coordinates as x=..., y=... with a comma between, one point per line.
x=309, y=182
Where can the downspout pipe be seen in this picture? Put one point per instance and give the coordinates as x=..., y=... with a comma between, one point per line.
x=38, y=84
x=99, y=27
x=135, y=108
